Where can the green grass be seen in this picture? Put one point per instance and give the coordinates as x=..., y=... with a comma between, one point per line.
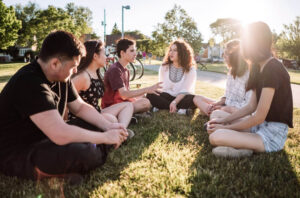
x=221, y=68
x=170, y=156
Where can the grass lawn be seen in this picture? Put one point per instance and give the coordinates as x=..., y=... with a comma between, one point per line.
x=221, y=68
x=170, y=156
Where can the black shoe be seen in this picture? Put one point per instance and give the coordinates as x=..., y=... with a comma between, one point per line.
x=133, y=120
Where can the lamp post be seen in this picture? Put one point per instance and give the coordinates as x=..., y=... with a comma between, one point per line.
x=127, y=7
x=104, y=25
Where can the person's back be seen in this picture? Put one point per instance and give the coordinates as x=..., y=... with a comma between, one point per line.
x=13, y=116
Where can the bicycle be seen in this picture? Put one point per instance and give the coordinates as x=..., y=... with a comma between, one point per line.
x=136, y=69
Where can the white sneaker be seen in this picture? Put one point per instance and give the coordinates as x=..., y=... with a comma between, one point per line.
x=155, y=109
x=225, y=151
x=181, y=111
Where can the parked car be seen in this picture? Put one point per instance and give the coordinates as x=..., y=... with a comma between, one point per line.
x=291, y=64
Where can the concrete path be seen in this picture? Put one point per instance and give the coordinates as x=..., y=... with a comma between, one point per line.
x=219, y=80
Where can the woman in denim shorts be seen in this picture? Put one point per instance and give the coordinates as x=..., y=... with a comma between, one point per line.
x=262, y=125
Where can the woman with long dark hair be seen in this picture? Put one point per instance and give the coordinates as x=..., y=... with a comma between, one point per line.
x=90, y=86
x=262, y=125
x=178, y=76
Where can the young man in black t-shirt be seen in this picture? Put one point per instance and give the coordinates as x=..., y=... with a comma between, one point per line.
x=34, y=139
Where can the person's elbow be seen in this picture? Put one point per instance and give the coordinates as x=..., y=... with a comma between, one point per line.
x=124, y=95
x=259, y=118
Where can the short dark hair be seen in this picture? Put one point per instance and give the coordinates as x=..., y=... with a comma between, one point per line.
x=123, y=45
x=61, y=44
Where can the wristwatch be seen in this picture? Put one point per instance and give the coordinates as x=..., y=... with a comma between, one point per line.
x=174, y=101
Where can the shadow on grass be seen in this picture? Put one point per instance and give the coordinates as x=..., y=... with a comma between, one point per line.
x=261, y=175
x=118, y=159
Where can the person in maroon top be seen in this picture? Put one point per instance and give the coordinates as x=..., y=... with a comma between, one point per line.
x=262, y=125
x=116, y=81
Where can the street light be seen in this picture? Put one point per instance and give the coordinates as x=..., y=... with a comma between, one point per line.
x=104, y=24
x=127, y=7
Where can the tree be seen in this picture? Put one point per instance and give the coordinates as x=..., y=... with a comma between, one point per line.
x=227, y=28
x=55, y=19
x=82, y=17
x=115, y=29
x=9, y=26
x=26, y=14
x=289, y=41
x=177, y=25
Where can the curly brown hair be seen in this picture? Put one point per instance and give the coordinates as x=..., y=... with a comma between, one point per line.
x=185, y=55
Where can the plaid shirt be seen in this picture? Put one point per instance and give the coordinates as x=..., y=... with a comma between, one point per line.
x=235, y=93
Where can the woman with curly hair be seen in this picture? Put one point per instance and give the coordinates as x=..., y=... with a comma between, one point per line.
x=178, y=76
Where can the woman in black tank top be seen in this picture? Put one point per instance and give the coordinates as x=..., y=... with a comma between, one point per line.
x=90, y=86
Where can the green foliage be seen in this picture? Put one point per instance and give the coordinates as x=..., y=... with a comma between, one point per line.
x=38, y=23
x=82, y=17
x=56, y=19
x=226, y=28
x=177, y=25
x=115, y=29
x=26, y=14
x=143, y=44
x=9, y=26
x=289, y=41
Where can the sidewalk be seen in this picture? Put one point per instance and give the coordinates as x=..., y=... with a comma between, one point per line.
x=219, y=80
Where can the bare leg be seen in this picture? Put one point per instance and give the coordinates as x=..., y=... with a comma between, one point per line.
x=223, y=114
x=123, y=111
x=236, y=139
x=218, y=114
x=202, y=103
x=141, y=105
x=110, y=117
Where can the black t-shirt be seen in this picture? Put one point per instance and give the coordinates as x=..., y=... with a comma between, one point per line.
x=29, y=92
x=274, y=75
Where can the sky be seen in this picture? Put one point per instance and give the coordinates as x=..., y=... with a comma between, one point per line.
x=145, y=15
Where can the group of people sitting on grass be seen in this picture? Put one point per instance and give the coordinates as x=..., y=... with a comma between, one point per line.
x=52, y=125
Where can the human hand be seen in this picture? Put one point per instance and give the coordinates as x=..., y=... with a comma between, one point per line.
x=213, y=127
x=173, y=107
x=216, y=121
x=155, y=89
x=216, y=107
x=115, y=137
x=117, y=126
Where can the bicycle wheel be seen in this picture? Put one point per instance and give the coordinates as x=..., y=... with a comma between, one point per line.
x=139, y=69
x=131, y=69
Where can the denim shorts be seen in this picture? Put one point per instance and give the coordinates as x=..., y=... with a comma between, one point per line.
x=273, y=134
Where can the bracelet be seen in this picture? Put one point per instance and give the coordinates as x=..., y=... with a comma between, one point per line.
x=174, y=101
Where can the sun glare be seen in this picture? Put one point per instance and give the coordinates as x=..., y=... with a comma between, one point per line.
x=247, y=11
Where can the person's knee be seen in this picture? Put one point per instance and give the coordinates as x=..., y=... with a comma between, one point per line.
x=216, y=114
x=216, y=138
x=143, y=104
x=196, y=98
x=89, y=155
